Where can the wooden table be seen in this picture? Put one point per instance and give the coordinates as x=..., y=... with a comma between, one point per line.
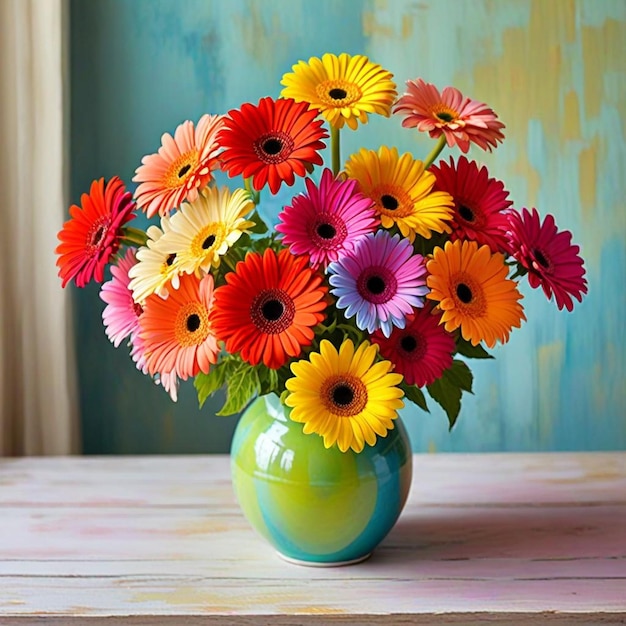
x=509, y=538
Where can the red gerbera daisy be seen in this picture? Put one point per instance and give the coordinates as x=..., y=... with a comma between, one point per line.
x=480, y=202
x=92, y=236
x=271, y=142
x=421, y=351
x=549, y=256
x=269, y=306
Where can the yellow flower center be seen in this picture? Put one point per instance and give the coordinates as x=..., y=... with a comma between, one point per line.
x=393, y=201
x=192, y=325
x=445, y=114
x=468, y=295
x=183, y=168
x=344, y=395
x=338, y=93
x=207, y=240
x=166, y=267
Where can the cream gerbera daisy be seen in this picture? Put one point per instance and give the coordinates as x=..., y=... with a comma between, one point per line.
x=344, y=88
x=155, y=269
x=345, y=395
x=402, y=191
x=204, y=230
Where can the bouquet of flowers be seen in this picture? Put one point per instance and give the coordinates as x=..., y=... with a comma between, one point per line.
x=377, y=282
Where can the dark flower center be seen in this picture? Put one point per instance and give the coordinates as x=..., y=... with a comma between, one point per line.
x=97, y=236
x=389, y=202
x=170, y=259
x=183, y=170
x=272, y=145
x=208, y=242
x=464, y=293
x=445, y=117
x=193, y=322
x=466, y=213
x=541, y=259
x=272, y=310
x=337, y=93
x=375, y=285
x=326, y=231
x=342, y=395
x=137, y=309
x=408, y=343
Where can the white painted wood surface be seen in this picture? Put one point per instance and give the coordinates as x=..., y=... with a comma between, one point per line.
x=510, y=538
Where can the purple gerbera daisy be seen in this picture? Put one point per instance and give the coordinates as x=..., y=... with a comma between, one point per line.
x=379, y=282
x=121, y=315
x=327, y=220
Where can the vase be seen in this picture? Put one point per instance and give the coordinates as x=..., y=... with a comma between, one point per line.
x=316, y=506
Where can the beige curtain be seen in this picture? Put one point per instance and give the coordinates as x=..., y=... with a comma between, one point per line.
x=37, y=397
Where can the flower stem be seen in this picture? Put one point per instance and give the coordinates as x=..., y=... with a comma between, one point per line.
x=335, y=149
x=134, y=236
x=435, y=152
x=255, y=196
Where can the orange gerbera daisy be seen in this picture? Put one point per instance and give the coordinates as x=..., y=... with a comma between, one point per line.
x=181, y=167
x=176, y=333
x=269, y=306
x=471, y=287
x=93, y=234
x=272, y=142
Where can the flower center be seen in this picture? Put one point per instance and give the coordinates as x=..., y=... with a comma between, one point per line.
x=541, y=259
x=272, y=311
x=192, y=325
x=97, y=233
x=412, y=347
x=466, y=213
x=468, y=295
x=327, y=231
x=389, y=202
x=137, y=309
x=444, y=114
x=377, y=285
x=464, y=293
x=181, y=170
x=344, y=395
x=274, y=147
x=207, y=241
x=338, y=93
x=445, y=117
x=393, y=201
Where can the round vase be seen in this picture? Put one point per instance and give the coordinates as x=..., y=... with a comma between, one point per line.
x=316, y=506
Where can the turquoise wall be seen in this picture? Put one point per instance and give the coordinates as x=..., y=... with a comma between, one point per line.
x=555, y=71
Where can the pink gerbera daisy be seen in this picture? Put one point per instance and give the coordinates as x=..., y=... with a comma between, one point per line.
x=549, y=256
x=176, y=331
x=181, y=167
x=422, y=350
x=480, y=202
x=121, y=315
x=462, y=120
x=327, y=220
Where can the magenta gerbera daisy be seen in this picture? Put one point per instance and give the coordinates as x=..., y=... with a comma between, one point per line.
x=422, y=350
x=379, y=282
x=461, y=120
x=480, y=202
x=327, y=220
x=549, y=256
x=121, y=315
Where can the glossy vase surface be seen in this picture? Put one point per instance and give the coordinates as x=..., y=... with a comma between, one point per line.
x=316, y=506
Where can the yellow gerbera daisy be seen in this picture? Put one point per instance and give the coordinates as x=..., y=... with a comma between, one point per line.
x=345, y=396
x=343, y=88
x=402, y=190
x=204, y=229
x=471, y=288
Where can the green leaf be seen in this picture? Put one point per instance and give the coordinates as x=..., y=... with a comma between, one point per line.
x=242, y=385
x=465, y=348
x=415, y=395
x=260, y=227
x=448, y=389
x=207, y=384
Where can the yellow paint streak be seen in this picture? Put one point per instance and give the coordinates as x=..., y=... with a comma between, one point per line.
x=587, y=168
x=549, y=364
x=570, y=125
x=407, y=26
x=373, y=28
x=432, y=447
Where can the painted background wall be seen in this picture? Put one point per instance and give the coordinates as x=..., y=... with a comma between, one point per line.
x=554, y=70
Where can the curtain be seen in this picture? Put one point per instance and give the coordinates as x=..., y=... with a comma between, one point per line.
x=38, y=408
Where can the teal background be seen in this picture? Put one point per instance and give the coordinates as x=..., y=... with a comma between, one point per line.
x=555, y=71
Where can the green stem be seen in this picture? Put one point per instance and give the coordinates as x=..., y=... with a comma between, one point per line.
x=134, y=236
x=335, y=149
x=255, y=196
x=435, y=152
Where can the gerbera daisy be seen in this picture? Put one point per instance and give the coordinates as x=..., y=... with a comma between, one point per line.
x=181, y=167
x=380, y=282
x=549, y=256
x=471, y=288
x=327, y=220
x=421, y=351
x=121, y=315
x=480, y=202
x=204, y=230
x=272, y=142
x=461, y=120
x=344, y=395
x=155, y=271
x=176, y=331
x=269, y=306
x=168, y=380
x=93, y=234
x=343, y=88
x=402, y=191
